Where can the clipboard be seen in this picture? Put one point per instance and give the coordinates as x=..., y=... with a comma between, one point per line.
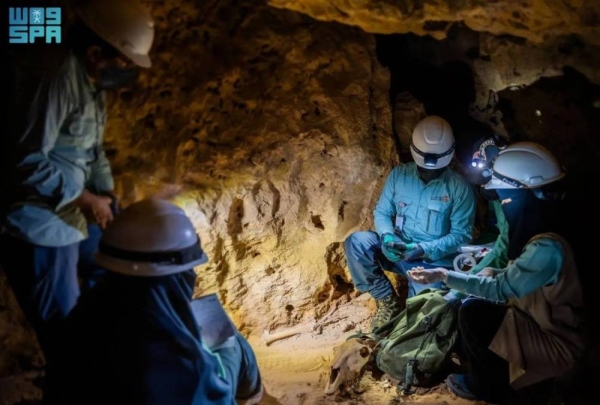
x=215, y=325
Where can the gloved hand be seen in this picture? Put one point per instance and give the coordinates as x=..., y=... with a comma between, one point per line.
x=392, y=247
x=414, y=251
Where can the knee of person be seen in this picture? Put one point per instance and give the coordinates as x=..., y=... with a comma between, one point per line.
x=349, y=242
x=355, y=242
x=468, y=310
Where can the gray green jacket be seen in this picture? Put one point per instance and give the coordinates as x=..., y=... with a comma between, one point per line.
x=539, y=265
x=498, y=257
x=57, y=152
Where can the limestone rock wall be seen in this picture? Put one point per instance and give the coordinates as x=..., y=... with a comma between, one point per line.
x=274, y=130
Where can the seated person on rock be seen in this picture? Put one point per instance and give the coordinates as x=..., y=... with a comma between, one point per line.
x=425, y=212
x=134, y=338
x=538, y=331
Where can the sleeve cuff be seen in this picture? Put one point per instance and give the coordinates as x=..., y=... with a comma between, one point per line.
x=104, y=185
x=426, y=246
x=383, y=230
x=457, y=281
x=429, y=249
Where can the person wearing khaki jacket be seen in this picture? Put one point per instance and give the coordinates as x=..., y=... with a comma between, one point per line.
x=523, y=324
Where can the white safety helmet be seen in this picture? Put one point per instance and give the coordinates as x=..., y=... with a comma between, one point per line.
x=432, y=144
x=125, y=24
x=150, y=238
x=524, y=165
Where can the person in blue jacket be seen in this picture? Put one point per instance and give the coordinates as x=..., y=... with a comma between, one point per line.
x=57, y=186
x=424, y=213
x=134, y=338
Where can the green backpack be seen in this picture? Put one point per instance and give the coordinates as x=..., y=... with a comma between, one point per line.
x=418, y=343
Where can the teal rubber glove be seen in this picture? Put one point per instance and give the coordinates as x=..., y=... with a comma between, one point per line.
x=393, y=254
x=414, y=251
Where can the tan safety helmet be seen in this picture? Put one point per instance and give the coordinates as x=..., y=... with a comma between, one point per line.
x=125, y=24
x=150, y=238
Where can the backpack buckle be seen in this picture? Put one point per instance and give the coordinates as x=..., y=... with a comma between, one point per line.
x=406, y=388
x=427, y=321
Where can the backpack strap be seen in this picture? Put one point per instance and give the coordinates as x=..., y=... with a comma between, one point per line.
x=410, y=365
x=362, y=335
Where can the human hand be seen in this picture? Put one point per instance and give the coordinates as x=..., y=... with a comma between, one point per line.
x=95, y=208
x=391, y=246
x=114, y=202
x=428, y=276
x=414, y=252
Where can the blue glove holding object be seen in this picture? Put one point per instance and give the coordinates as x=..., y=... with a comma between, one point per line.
x=392, y=247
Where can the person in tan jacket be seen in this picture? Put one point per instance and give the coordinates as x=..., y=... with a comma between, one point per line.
x=523, y=324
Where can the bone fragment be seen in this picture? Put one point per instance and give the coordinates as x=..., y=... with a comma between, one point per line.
x=269, y=338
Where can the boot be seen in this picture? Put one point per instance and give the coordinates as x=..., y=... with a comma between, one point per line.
x=387, y=308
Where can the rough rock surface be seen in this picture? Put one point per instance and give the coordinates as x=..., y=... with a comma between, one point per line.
x=275, y=131
x=535, y=20
x=277, y=128
x=521, y=42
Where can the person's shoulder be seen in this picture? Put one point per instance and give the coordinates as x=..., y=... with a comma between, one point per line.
x=64, y=69
x=458, y=182
x=548, y=241
x=404, y=169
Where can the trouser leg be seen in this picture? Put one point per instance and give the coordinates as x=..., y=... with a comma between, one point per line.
x=44, y=281
x=241, y=368
x=365, y=262
x=478, y=322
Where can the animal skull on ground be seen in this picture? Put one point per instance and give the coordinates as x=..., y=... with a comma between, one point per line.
x=348, y=361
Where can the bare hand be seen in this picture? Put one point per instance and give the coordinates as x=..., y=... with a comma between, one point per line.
x=95, y=208
x=427, y=276
x=486, y=272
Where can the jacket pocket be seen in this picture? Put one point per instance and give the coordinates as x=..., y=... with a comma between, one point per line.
x=438, y=220
x=402, y=205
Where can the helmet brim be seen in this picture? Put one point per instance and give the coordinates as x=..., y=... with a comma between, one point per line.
x=441, y=163
x=145, y=269
x=495, y=184
x=202, y=260
x=140, y=60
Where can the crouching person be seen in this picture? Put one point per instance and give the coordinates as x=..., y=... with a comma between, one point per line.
x=526, y=326
x=425, y=212
x=134, y=339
